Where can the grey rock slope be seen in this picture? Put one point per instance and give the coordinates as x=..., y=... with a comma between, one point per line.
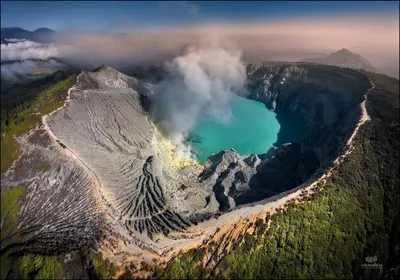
x=344, y=58
x=106, y=125
x=59, y=210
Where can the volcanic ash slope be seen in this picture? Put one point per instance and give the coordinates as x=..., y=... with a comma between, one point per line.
x=106, y=125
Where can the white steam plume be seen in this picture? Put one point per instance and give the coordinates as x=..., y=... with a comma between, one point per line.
x=201, y=84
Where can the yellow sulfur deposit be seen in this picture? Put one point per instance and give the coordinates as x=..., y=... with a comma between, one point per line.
x=180, y=161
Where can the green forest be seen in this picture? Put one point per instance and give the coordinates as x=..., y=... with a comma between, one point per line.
x=17, y=98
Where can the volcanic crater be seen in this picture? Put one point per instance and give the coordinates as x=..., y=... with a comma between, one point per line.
x=115, y=172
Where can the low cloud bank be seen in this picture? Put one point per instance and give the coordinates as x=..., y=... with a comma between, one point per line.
x=13, y=70
x=15, y=40
x=22, y=58
x=18, y=70
x=24, y=50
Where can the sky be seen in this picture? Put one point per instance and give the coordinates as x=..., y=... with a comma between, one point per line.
x=118, y=16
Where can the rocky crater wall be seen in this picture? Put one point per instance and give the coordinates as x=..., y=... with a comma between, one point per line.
x=327, y=99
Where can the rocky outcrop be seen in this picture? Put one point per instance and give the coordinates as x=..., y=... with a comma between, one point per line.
x=229, y=174
x=238, y=180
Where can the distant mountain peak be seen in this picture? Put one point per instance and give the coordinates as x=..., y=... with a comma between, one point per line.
x=40, y=35
x=346, y=53
x=107, y=77
x=103, y=67
x=344, y=50
x=44, y=29
x=12, y=27
x=345, y=58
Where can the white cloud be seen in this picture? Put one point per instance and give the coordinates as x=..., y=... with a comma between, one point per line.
x=13, y=70
x=17, y=70
x=15, y=40
x=30, y=50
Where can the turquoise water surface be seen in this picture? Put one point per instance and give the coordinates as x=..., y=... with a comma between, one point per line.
x=253, y=129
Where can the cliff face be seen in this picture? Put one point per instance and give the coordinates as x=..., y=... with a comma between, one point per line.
x=327, y=98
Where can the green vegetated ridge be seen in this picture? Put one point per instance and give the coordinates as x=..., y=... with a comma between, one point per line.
x=9, y=207
x=27, y=265
x=9, y=214
x=19, y=120
x=38, y=267
x=99, y=267
x=356, y=215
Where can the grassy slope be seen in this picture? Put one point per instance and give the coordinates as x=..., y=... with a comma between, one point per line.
x=102, y=268
x=38, y=267
x=9, y=214
x=46, y=102
x=35, y=266
x=329, y=237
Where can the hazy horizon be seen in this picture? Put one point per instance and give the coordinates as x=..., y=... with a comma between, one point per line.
x=286, y=31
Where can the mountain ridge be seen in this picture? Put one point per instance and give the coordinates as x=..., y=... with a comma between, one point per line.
x=344, y=58
x=40, y=35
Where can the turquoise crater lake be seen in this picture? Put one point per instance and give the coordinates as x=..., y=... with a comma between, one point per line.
x=253, y=129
